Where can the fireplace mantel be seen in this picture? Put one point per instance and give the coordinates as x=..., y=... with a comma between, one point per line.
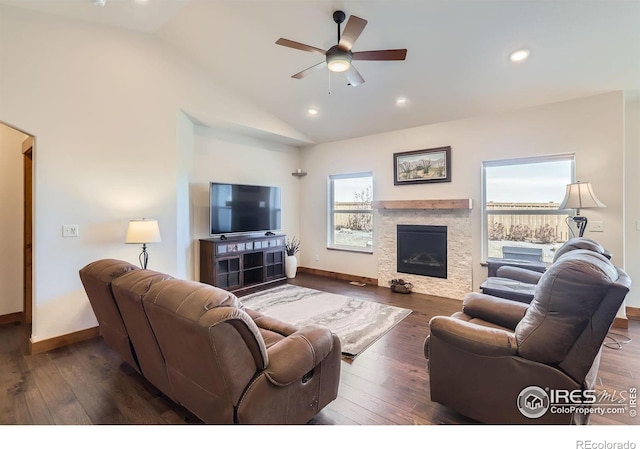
x=423, y=204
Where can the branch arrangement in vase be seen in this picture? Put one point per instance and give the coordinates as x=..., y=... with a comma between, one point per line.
x=292, y=246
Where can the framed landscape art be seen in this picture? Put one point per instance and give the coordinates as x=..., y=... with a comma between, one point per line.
x=422, y=166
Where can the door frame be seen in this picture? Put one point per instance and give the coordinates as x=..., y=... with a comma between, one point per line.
x=27, y=260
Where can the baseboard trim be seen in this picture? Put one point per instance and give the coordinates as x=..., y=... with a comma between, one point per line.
x=341, y=276
x=633, y=313
x=9, y=318
x=63, y=340
x=621, y=323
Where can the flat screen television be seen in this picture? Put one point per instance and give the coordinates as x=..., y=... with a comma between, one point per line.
x=240, y=208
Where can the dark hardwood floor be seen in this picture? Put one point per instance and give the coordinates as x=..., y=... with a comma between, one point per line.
x=86, y=383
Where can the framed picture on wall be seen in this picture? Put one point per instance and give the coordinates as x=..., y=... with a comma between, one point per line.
x=422, y=166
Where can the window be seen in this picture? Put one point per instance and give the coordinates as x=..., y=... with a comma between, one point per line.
x=350, y=213
x=520, y=204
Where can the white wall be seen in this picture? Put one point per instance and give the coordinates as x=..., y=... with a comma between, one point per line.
x=11, y=224
x=223, y=156
x=592, y=128
x=104, y=105
x=632, y=199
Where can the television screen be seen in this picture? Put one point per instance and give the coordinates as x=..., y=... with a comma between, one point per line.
x=238, y=208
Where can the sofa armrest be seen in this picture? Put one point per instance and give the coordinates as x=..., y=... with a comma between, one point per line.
x=296, y=355
x=270, y=323
x=519, y=274
x=500, y=311
x=473, y=338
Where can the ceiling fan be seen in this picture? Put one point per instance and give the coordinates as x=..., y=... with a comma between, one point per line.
x=339, y=57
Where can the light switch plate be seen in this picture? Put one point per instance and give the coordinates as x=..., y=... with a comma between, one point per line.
x=70, y=230
x=596, y=226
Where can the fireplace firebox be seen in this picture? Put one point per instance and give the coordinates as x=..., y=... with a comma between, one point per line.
x=422, y=250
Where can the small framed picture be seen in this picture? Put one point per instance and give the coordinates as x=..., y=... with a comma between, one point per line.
x=422, y=166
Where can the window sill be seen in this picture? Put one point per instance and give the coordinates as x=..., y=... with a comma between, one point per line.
x=351, y=249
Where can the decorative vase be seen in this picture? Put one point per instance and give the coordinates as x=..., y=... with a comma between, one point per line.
x=291, y=266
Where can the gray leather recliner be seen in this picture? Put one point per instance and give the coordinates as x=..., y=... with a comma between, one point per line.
x=518, y=283
x=532, y=277
x=480, y=360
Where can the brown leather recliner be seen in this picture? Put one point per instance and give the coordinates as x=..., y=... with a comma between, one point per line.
x=128, y=291
x=482, y=359
x=224, y=363
x=96, y=279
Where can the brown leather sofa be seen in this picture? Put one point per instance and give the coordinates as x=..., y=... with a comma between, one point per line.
x=199, y=346
x=482, y=360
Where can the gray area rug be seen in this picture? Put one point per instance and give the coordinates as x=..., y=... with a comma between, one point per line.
x=357, y=323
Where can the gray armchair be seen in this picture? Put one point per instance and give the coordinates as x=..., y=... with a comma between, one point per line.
x=532, y=277
x=483, y=359
x=518, y=282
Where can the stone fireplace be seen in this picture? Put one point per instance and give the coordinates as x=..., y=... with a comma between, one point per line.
x=431, y=215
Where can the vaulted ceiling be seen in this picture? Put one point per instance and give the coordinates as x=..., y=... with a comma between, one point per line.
x=457, y=63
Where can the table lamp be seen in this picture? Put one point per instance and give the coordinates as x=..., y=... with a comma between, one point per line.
x=580, y=196
x=143, y=231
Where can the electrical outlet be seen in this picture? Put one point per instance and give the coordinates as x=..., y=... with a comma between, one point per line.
x=316, y=258
x=70, y=230
x=596, y=226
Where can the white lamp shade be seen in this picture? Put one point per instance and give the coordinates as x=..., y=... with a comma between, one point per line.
x=580, y=196
x=143, y=231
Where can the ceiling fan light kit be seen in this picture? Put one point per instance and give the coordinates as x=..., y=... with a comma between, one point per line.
x=339, y=58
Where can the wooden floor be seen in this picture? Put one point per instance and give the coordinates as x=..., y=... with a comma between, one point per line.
x=86, y=383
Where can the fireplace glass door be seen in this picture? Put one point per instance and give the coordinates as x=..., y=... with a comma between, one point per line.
x=422, y=250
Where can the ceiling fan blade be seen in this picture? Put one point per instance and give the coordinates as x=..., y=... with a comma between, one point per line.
x=354, y=77
x=381, y=55
x=351, y=32
x=309, y=70
x=299, y=46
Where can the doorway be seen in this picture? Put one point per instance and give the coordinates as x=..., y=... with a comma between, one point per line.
x=16, y=239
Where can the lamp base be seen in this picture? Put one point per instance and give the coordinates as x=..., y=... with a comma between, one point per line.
x=144, y=257
x=581, y=223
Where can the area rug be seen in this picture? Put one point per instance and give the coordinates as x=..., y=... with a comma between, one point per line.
x=357, y=323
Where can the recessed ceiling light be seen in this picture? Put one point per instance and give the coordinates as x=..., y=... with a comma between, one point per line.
x=140, y=2
x=401, y=101
x=519, y=55
x=312, y=111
